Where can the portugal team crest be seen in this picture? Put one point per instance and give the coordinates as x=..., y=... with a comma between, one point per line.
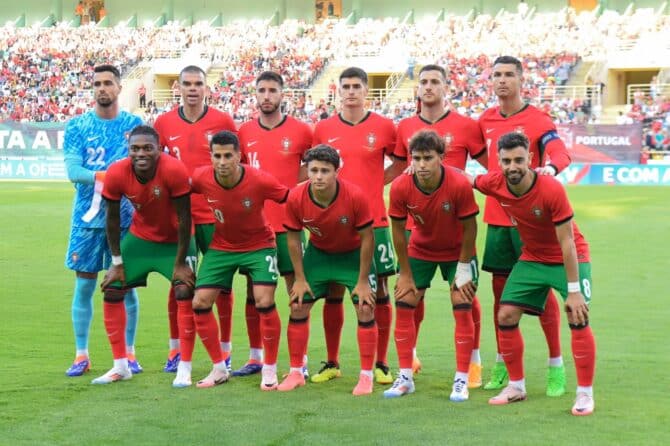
x=446, y=206
x=209, y=136
x=157, y=191
x=448, y=139
x=537, y=212
x=285, y=144
x=519, y=129
x=344, y=219
x=246, y=202
x=372, y=139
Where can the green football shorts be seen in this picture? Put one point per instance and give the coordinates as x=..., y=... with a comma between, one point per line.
x=218, y=268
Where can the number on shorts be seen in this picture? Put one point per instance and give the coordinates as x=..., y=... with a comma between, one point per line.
x=272, y=266
x=386, y=253
x=372, y=280
x=192, y=262
x=586, y=286
x=95, y=157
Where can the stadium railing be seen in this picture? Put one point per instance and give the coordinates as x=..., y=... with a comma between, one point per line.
x=647, y=90
x=557, y=92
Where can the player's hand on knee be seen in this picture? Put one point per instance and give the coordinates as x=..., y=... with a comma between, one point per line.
x=184, y=274
x=365, y=295
x=404, y=286
x=578, y=311
x=116, y=273
x=298, y=291
x=460, y=296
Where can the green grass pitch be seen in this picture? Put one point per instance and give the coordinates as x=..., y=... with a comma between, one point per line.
x=628, y=229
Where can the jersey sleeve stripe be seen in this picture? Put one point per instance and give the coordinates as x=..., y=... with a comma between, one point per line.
x=283, y=200
x=480, y=153
x=397, y=217
x=181, y=196
x=565, y=220
x=106, y=197
x=289, y=228
x=364, y=225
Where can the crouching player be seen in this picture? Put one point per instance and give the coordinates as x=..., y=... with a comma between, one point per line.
x=159, y=238
x=554, y=255
x=442, y=205
x=339, y=219
x=243, y=239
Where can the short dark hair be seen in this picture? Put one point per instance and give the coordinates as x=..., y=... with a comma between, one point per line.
x=513, y=140
x=324, y=153
x=109, y=69
x=224, y=138
x=510, y=60
x=434, y=67
x=192, y=69
x=425, y=141
x=270, y=76
x=354, y=72
x=144, y=129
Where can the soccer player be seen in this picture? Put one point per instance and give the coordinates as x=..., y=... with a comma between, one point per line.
x=185, y=133
x=443, y=208
x=159, y=238
x=339, y=219
x=503, y=246
x=93, y=141
x=554, y=255
x=363, y=139
x=243, y=239
x=461, y=138
x=274, y=143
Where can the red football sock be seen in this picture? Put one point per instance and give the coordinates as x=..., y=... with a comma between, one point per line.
x=367, y=343
x=419, y=313
x=224, y=306
x=253, y=325
x=205, y=324
x=584, y=354
x=551, y=325
x=186, y=329
x=498, y=282
x=172, y=315
x=297, y=334
x=271, y=332
x=463, y=336
x=477, y=321
x=115, y=326
x=333, y=320
x=405, y=334
x=511, y=348
x=384, y=319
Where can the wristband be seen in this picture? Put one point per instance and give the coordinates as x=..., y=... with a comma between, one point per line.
x=573, y=287
x=463, y=274
x=118, y=260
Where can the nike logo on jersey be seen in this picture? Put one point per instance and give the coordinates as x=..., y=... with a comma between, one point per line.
x=331, y=140
x=489, y=131
x=307, y=220
x=505, y=205
x=211, y=201
x=92, y=138
x=251, y=143
x=412, y=207
x=172, y=138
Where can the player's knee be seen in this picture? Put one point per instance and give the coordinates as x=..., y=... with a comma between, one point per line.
x=113, y=296
x=365, y=313
x=299, y=311
x=200, y=302
x=508, y=315
x=183, y=292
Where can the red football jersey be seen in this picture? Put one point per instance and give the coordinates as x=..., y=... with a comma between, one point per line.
x=461, y=137
x=278, y=151
x=362, y=148
x=546, y=146
x=155, y=218
x=437, y=233
x=334, y=228
x=535, y=214
x=189, y=141
x=240, y=224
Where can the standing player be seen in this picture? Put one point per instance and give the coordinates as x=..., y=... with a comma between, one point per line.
x=243, y=239
x=159, y=238
x=363, y=139
x=554, y=255
x=443, y=208
x=92, y=142
x=274, y=143
x=185, y=133
x=339, y=220
x=462, y=138
x=503, y=246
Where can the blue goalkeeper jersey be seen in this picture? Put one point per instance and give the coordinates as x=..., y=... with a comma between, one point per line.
x=94, y=144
